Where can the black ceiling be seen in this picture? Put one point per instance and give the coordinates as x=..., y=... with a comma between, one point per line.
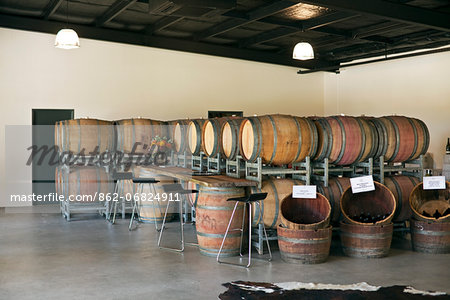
x=339, y=30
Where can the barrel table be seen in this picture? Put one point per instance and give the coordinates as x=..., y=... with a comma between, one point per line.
x=213, y=211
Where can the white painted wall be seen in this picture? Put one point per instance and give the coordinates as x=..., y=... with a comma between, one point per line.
x=115, y=81
x=417, y=87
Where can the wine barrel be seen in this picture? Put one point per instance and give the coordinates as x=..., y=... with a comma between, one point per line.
x=151, y=201
x=58, y=126
x=425, y=203
x=333, y=192
x=306, y=246
x=213, y=213
x=194, y=134
x=277, y=139
x=430, y=237
x=230, y=138
x=212, y=136
x=84, y=136
x=406, y=138
x=135, y=135
x=268, y=212
x=366, y=241
x=179, y=135
x=345, y=140
x=401, y=187
x=84, y=184
x=380, y=204
x=305, y=213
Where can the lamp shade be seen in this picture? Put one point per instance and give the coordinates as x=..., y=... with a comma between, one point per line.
x=67, y=39
x=303, y=51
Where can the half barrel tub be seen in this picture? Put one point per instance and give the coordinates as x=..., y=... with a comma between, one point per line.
x=305, y=213
x=430, y=237
x=306, y=246
x=380, y=202
x=268, y=212
x=366, y=241
x=425, y=203
x=213, y=212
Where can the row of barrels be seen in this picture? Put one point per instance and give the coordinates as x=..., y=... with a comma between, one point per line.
x=276, y=139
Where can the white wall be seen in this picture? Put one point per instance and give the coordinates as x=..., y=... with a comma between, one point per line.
x=115, y=81
x=416, y=87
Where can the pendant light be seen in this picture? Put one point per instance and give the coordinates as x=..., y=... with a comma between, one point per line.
x=303, y=51
x=67, y=38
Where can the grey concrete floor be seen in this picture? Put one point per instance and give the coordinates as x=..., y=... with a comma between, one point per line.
x=44, y=257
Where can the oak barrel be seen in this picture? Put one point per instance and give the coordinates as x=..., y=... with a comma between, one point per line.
x=430, y=237
x=333, y=192
x=345, y=140
x=137, y=134
x=405, y=138
x=379, y=203
x=401, y=186
x=366, y=241
x=194, y=136
x=425, y=203
x=212, y=136
x=305, y=213
x=85, y=136
x=277, y=139
x=268, y=212
x=213, y=213
x=306, y=246
x=230, y=138
x=84, y=184
x=179, y=135
x=151, y=201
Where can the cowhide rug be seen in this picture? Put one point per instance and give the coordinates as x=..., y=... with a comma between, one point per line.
x=309, y=291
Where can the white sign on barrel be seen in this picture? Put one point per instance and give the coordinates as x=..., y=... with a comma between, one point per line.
x=362, y=184
x=434, y=183
x=304, y=191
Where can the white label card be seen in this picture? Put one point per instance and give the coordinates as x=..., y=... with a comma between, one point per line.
x=304, y=191
x=434, y=183
x=362, y=184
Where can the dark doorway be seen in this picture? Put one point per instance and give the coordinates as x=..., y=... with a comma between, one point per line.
x=220, y=114
x=43, y=171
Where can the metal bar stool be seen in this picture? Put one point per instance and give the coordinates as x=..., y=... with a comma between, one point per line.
x=136, y=204
x=176, y=189
x=117, y=177
x=252, y=198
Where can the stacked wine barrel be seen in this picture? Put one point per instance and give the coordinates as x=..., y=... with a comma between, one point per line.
x=430, y=224
x=304, y=235
x=366, y=230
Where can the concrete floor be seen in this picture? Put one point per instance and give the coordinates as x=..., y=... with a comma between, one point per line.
x=44, y=257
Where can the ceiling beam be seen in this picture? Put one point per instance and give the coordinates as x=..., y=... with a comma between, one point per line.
x=248, y=17
x=105, y=34
x=113, y=11
x=389, y=10
x=326, y=19
x=162, y=23
x=267, y=36
x=50, y=9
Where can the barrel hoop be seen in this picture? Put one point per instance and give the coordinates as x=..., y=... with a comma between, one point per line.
x=430, y=232
x=426, y=135
x=198, y=142
x=413, y=180
x=299, y=147
x=206, y=207
x=344, y=139
x=304, y=241
x=217, y=235
x=375, y=141
x=400, y=198
x=397, y=138
x=232, y=250
x=275, y=139
x=363, y=236
x=363, y=135
x=382, y=137
x=224, y=191
x=375, y=250
x=257, y=139
x=416, y=139
x=314, y=140
x=277, y=205
x=327, y=141
x=216, y=133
